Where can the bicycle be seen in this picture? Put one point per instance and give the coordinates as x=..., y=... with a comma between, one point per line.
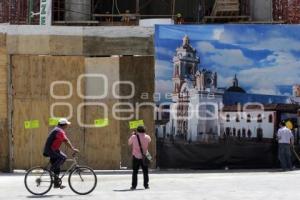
x=39, y=180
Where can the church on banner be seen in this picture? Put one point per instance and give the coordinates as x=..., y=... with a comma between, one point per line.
x=203, y=112
x=195, y=87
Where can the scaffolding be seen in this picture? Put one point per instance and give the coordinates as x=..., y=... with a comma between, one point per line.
x=229, y=11
x=115, y=12
x=280, y=10
x=19, y=11
x=4, y=11
x=294, y=12
x=287, y=11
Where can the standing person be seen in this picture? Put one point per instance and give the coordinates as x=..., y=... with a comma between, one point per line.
x=137, y=155
x=285, y=141
x=52, y=149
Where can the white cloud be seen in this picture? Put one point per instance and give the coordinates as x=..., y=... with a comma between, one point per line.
x=205, y=47
x=269, y=91
x=231, y=58
x=163, y=86
x=269, y=40
x=164, y=51
x=224, y=57
x=229, y=36
x=279, y=69
x=276, y=44
x=217, y=33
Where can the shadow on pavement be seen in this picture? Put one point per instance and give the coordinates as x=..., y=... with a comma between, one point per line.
x=48, y=196
x=127, y=190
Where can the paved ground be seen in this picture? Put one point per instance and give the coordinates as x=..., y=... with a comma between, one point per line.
x=191, y=185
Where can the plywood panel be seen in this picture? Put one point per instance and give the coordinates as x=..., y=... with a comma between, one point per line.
x=141, y=74
x=67, y=68
x=102, y=144
x=3, y=105
x=32, y=77
x=106, y=66
x=28, y=143
x=66, y=45
x=28, y=44
x=3, y=56
x=21, y=76
x=2, y=40
x=97, y=46
x=4, y=145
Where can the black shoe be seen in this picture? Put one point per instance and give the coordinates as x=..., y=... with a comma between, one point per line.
x=132, y=188
x=147, y=187
x=62, y=187
x=59, y=186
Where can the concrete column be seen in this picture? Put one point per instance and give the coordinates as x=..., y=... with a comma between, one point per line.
x=78, y=10
x=261, y=10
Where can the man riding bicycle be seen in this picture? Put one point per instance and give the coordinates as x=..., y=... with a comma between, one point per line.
x=52, y=149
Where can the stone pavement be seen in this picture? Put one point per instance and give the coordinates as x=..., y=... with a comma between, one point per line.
x=174, y=185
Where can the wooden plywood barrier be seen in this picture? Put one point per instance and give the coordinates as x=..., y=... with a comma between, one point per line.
x=4, y=151
x=102, y=147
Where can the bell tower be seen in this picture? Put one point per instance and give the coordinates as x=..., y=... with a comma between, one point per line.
x=185, y=66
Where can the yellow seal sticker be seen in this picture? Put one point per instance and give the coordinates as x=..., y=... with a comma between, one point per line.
x=135, y=124
x=35, y=124
x=101, y=122
x=27, y=124
x=53, y=121
x=32, y=124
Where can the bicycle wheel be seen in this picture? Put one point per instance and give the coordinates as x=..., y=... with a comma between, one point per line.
x=38, y=181
x=82, y=180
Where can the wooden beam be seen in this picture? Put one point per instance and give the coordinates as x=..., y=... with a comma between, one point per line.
x=9, y=114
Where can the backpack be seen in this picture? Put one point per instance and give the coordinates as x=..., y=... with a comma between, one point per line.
x=49, y=142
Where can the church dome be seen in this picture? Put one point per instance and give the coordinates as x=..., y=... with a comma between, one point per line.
x=236, y=89
x=235, y=86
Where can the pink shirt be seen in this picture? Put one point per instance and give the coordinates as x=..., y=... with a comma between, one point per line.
x=133, y=141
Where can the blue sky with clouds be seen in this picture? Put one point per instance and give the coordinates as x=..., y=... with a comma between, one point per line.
x=266, y=58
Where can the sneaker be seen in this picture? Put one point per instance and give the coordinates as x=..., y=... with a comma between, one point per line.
x=132, y=188
x=62, y=187
x=59, y=186
x=147, y=187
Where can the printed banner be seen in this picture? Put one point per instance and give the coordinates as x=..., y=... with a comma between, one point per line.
x=222, y=90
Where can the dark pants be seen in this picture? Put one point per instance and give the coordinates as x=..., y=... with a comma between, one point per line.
x=136, y=163
x=57, y=158
x=284, y=155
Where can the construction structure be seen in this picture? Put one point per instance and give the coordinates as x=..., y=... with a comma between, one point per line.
x=287, y=10
x=34, y=87
x=229, y=11
x=116, y=13
x=27, y=69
